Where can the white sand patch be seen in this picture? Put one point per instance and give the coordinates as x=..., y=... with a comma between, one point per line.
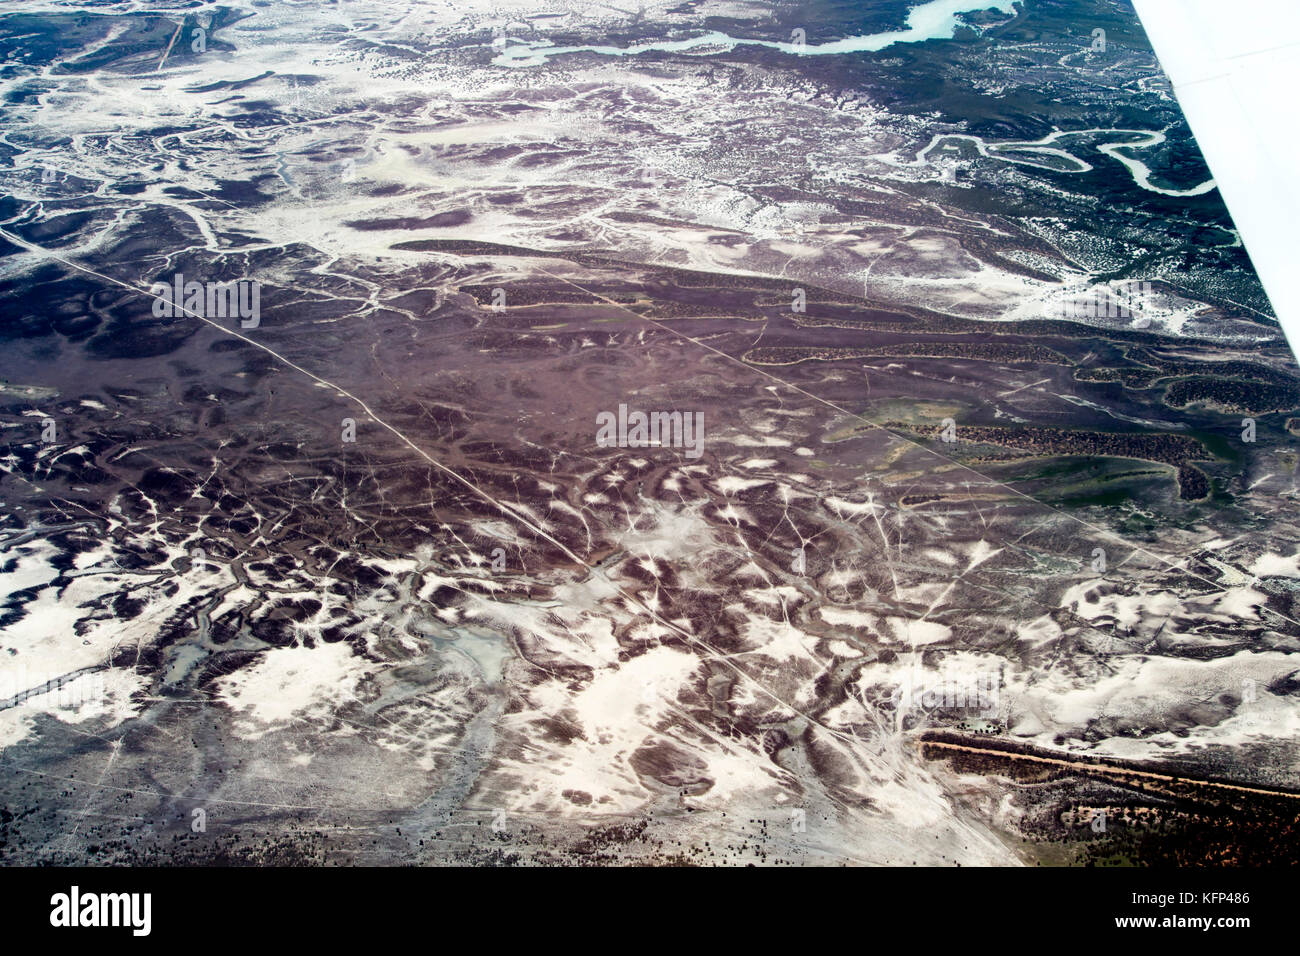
x=746, y=441
x=980, y=553
x=733, y=483
x=290, y=684
x=847, y=617
x=45, y=639
x=33, y=567
x=1146, y=691
x=735, y=515
x=1242, y=603
x=922, y=595
x=779, y=596
x=618, y=711
x=842, y=506
x=939, y=557
x=910, y=631
x=1040, y=631
x=1098, y=599
x=1275, y=564
x=103, y=695
x=778, y=640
